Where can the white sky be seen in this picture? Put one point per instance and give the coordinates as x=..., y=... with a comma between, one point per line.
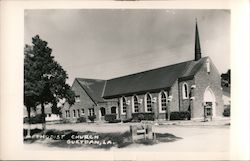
x=107, y=43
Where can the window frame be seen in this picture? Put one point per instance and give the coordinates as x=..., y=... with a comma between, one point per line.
x=123, y=101
x=160, y=101
x=91, y=112
x=146, y=102
x=78, y=113
x=134, y=104
x=74, y=113
x=82, y=111
x=185, y=92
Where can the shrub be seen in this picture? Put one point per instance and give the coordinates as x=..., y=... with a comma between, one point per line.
x=92, y=118
x=81, y=119
x=34, y=120
x=127, y=120
x=180, y=115
x=140, y=117
x=143, y=116
x=110, y=117
x=65, y=121
x=226, y=112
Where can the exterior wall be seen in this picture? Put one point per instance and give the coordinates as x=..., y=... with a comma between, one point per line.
x=174, y=92
x=185, y=103
x=112, y=103
x=85, y=103
x=203, y=79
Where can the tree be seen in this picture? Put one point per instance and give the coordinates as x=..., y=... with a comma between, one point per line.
x=44, y=78
x=226, y=79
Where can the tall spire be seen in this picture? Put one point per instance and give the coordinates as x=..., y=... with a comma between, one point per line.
x=197, y=43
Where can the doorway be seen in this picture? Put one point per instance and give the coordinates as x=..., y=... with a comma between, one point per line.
x=102, y=113
x=209, y=103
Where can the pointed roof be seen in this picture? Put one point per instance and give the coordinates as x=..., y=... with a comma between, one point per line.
x=197, y=43
x=93, y=87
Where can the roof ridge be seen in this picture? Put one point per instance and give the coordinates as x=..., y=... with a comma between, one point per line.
x=191, y=66
x=150, y=70
x=90, y=79
x=104, y=87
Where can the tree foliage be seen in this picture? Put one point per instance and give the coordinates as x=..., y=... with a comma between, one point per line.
x=226, y=79
x=44, y=78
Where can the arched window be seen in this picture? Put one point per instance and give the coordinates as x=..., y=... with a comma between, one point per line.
x=185, y=91
x=148, y=103
x=163, y=101
x=135, y=104
x=74, y=113
x=123, y=105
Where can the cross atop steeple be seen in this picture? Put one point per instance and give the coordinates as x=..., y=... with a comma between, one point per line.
x=197, y=43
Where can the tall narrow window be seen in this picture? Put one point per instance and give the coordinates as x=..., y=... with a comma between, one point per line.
x=185, y=90
x=163, y=101
x=74, y=113
x=124, y=105
x=148, y=103
x=136, y=104
x=66, y=113
x=78, y=112
x=91, y=112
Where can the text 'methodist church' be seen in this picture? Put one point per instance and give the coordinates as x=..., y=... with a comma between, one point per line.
x=193, y=86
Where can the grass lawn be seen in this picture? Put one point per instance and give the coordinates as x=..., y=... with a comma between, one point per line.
x=103, y=140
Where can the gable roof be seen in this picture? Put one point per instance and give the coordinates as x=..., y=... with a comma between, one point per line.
x=151, y=80
x=93, y=87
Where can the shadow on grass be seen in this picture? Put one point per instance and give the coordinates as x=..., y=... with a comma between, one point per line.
x=89, y=139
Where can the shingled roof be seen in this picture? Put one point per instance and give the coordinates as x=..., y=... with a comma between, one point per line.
x=147, y=81
x=93, y=87
x=151, y=80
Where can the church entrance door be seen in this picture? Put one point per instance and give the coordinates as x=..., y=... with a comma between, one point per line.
x=209, y=104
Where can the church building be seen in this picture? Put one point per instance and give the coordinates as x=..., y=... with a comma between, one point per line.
x=193, y=86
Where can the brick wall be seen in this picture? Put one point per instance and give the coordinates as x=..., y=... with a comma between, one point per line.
x=203, y=79
x=174, y=92
x=185, y=103
x=85, y=103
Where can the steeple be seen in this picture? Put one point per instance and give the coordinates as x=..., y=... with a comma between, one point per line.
x=197, y=43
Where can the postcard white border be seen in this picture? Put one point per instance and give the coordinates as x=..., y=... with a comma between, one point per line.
x=11, y=79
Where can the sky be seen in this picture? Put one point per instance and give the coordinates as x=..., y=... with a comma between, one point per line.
x=108, y=43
